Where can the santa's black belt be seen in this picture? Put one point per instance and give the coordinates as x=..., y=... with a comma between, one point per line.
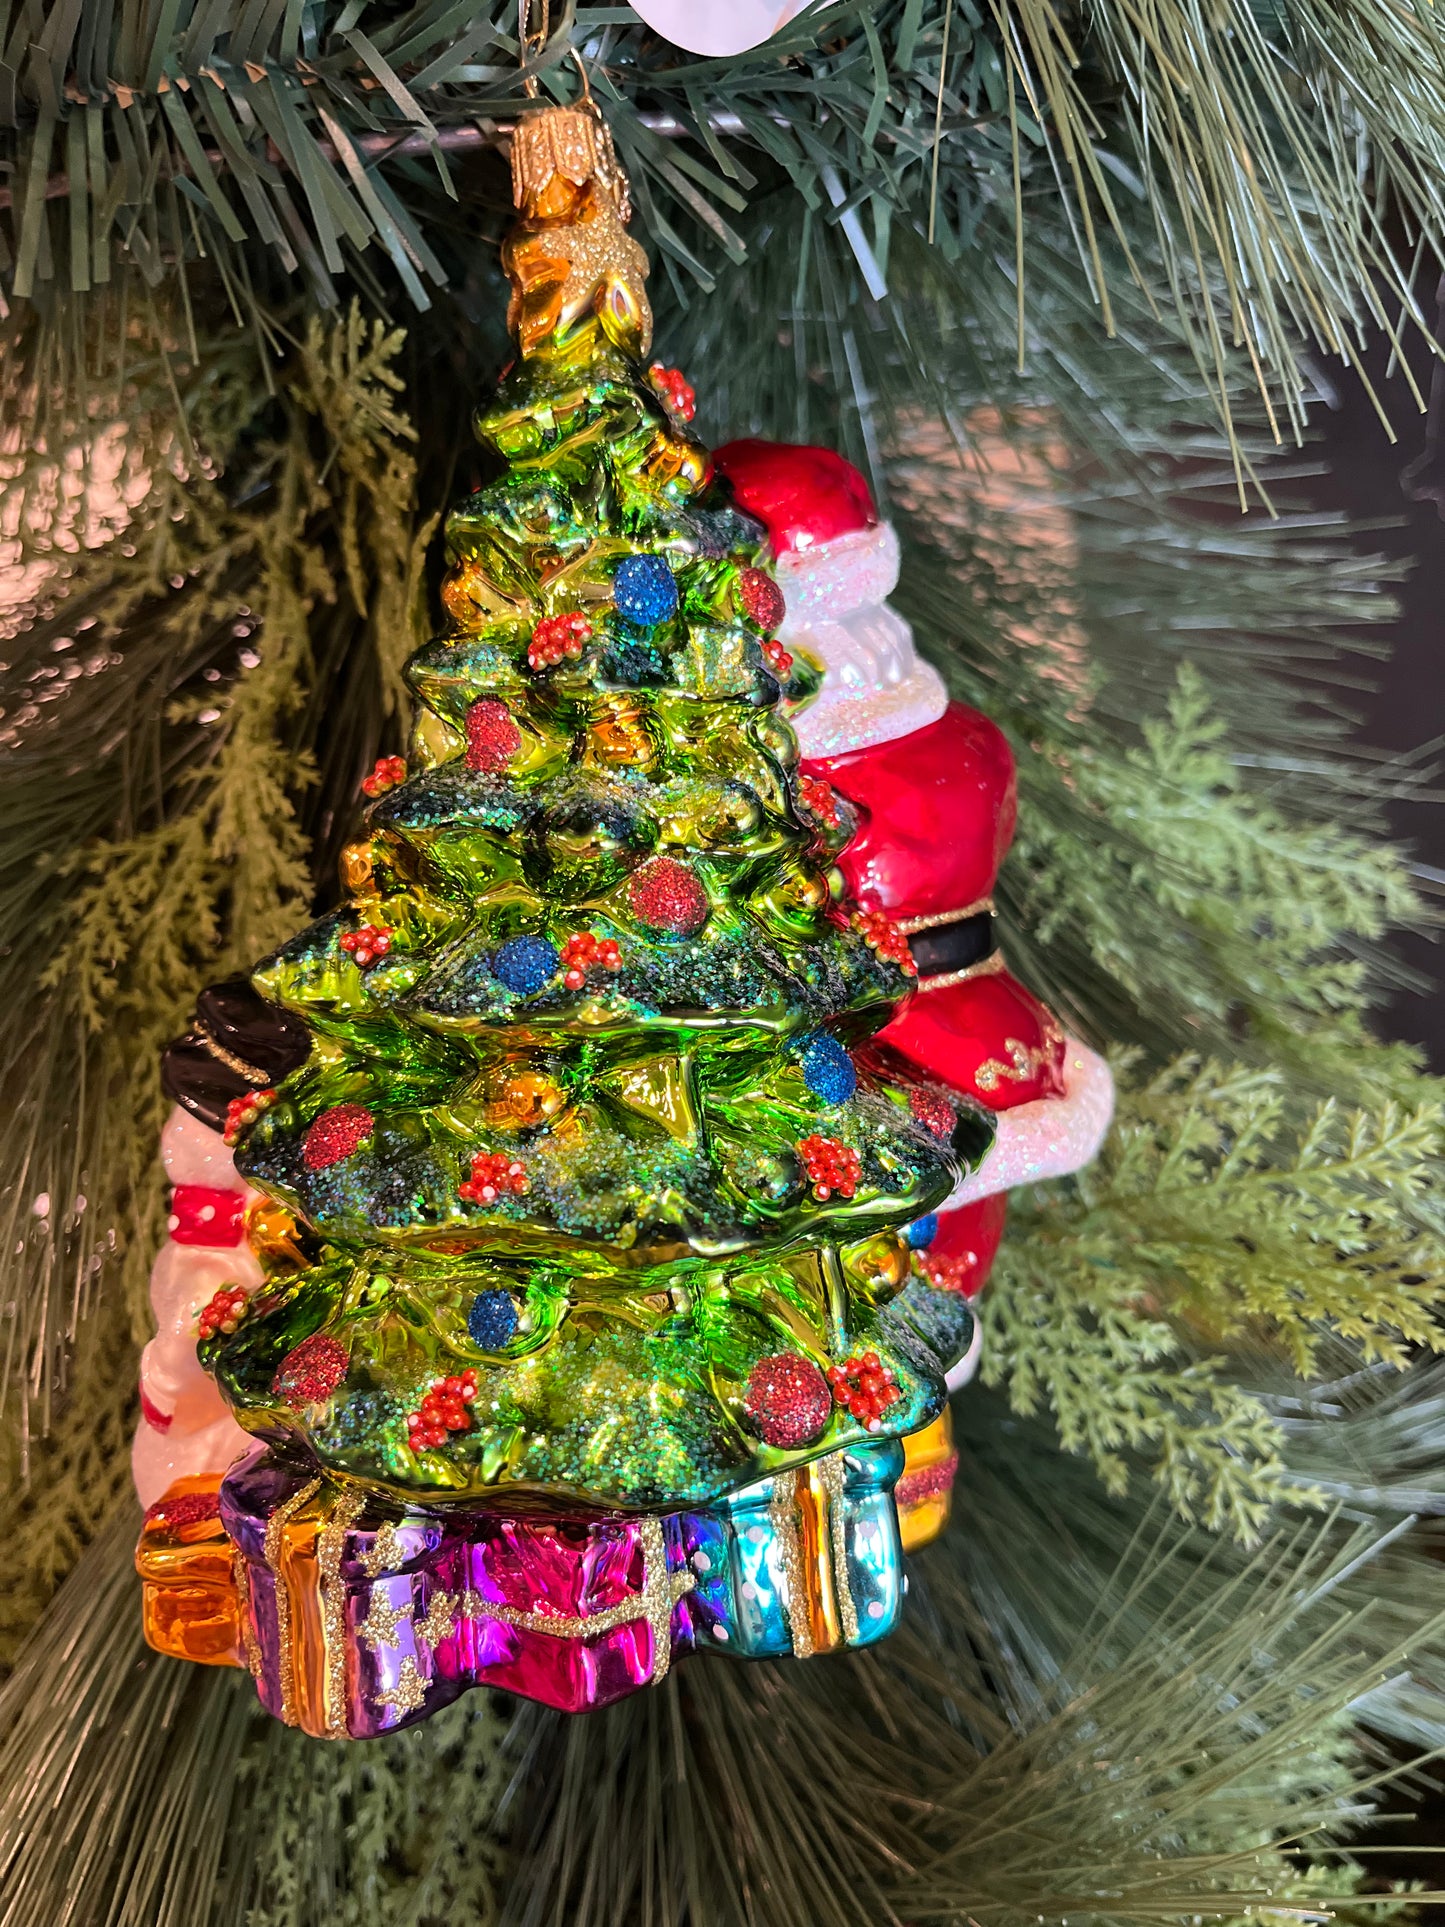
x=956, y=941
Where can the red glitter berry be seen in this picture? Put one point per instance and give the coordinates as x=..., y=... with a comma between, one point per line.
x=831, y=1167
x=679, y=397
x=666, y=895
x=335, y=1134
x=934, y=1112
x=820, y=800
x=778, y=660
x=494, y=1175
x=311, y=1371
x=556, y=638
x=585, y=952
x=366, y=946
x=223, y=1313
x=443, y=1410
x=761, y=598
x=493, y=737
x=389, y=773
x=185, y=1509
x=242, y=1112
x=788, y=1400
x=885, y=940
x=865, y=1387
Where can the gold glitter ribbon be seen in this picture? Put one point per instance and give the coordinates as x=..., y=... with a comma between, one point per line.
x=809, y=1521
x=333, y=1610
x=661, y=1591
x=277, y=1554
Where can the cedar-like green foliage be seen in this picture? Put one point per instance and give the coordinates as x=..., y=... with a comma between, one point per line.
x=154, y=842
x=1219, y=1213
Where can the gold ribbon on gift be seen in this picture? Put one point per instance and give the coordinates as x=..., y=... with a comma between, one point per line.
x=810, y=1529
x=660, y=1592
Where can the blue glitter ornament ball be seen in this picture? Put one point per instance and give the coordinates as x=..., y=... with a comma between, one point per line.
x=828, y=1069
x=922, y=1232
x=644, y=590
x=525, y=964
x=492, y=1320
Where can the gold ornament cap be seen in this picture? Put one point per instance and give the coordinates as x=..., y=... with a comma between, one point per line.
x=570, y=255
x=573, y=142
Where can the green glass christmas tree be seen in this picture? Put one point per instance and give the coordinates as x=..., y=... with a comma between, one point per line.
x=598, y=1193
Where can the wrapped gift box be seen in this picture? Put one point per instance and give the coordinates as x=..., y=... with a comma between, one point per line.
x=356, y=1616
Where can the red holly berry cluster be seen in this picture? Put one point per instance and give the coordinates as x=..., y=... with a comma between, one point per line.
x=242, y=1112
x=949, y=1274
x=556, y=638
x=885, y=940
x=224, y=1312
x=443, y=1411
x=582, y=952
x=831, y=1166
x=390, y=771
x=778, y=660
x=366, y=946
x=494, y=1175
x=679, y=397
x=865, y=1387
x=820, y=800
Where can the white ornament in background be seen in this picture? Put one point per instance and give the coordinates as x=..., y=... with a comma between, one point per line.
x=876, y=688
x=718, y=26
x=202, y=1435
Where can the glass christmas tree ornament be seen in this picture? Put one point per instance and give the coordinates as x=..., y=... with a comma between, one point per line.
x=596, y=1336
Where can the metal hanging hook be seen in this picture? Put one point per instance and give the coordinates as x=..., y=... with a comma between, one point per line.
x=527, y=39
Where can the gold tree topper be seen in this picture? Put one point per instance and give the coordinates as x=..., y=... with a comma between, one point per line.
x=570, y=254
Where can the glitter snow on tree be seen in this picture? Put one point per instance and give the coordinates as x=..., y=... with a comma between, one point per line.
x=598, y=1190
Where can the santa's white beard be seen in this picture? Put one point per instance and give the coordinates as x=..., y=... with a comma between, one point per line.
x=875, y=688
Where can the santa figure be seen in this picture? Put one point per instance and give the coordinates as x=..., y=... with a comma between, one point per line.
x=930, y=785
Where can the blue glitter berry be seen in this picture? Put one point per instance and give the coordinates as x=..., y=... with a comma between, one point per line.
x=525, y=964
x=492, y=1320
x=828, y=1069
x=644, y=590
x=922, y=1232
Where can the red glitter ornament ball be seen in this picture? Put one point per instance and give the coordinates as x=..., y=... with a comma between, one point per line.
x=336, y=1134
x=761, y=598
x=311, y=1371
x=666, y=895
x=186, y=1509
x=788, y=1400
x=934, y=1112
x=493, y=737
